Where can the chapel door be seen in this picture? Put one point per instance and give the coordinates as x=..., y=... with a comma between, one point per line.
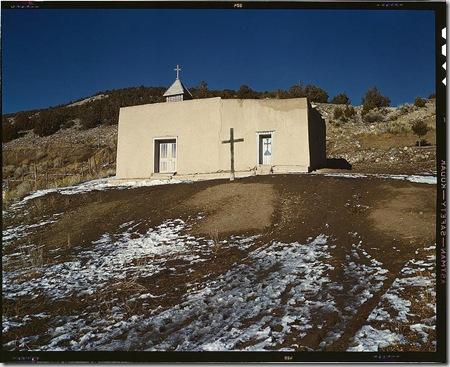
x=265, y=149
x=168, y=157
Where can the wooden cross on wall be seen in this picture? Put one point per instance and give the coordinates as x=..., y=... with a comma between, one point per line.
x=231, y=141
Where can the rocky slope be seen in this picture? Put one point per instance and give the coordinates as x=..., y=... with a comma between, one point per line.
x=385, y=144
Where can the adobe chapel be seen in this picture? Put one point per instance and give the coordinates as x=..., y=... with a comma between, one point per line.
x=215, y=137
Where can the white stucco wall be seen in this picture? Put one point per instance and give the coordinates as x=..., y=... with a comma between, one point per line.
x=200, y=126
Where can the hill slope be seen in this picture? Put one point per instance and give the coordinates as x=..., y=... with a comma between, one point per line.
x=380, y=141
x=323, y=272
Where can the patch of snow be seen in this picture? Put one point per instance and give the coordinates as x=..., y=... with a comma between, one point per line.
x=87, y=100
x=369, y=339
x=344, y=175
x=109, y=259
x=422, y=329
x=95, y=185
x=364, y=276
x=393, y=308
x=428, y=179
x=14, y=233
x=279, y=288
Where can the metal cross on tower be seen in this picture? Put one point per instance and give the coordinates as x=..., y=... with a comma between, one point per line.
x=231, y=141
x=178, y=69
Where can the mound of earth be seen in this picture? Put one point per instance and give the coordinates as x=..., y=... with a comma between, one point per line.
x=295, y=262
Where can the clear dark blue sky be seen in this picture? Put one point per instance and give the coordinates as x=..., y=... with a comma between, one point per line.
x=55, y=56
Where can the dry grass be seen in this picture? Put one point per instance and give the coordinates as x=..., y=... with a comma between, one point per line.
x=214, y=237
x=123, y=291
x=26, y=187
x=26, y=169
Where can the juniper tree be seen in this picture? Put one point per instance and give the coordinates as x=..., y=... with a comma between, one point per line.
x=420, y=129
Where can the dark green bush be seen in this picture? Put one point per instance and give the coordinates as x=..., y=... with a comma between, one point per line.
x=338, y=113
x=341, y=98
x=245, y=92
x=49, y=121
x=9, y=131
x=419, y=102
x=316, y=94
x=373, y=99
x=296, y=91
x=419, y=128
x=349, y=111
x=22, y=121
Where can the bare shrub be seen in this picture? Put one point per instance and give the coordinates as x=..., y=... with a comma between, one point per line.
x=397, y=127
x=57, y=162
x=419, y=102
x=130, y=285
x=406, y=108
x=40, y=154
x=42, y=166
x=394, y=115
x=23, y=188
x=69, y=181
x=373, y=116
x=338, y=113
x=19, y=171
x=214, y=236
x=349, y=111
x=110, y=172
x=8, y=170
x=36, y=257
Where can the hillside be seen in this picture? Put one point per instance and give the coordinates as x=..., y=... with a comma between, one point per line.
x=379, y=141
x=386, y=144
x=313, y=262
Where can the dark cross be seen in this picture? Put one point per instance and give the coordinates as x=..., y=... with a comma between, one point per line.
x=231, y=142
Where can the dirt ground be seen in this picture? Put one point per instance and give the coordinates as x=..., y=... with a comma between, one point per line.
x=384, y=216
x=233, y=209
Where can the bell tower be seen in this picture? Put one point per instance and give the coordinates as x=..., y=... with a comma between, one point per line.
x=177, y=91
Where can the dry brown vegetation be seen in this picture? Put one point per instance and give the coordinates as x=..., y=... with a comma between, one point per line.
x=66, y=158
x=385, y=144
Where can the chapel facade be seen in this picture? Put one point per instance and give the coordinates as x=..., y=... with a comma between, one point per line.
x=215, y=137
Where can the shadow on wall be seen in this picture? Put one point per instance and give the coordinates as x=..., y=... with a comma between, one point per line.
x=317, y=139
x=340, y=163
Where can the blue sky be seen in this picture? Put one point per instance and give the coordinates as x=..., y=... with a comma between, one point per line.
x=55, y=56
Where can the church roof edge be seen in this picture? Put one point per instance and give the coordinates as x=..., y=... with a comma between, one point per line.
x=177, y=88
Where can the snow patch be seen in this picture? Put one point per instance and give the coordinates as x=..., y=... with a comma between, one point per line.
x=429, y=179
x=369, y=339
